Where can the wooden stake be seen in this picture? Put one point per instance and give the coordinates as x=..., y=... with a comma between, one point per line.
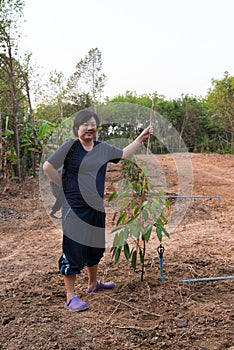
x=151, y=117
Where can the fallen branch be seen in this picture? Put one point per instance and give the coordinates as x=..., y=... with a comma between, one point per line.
x=137, y=328
x=132, y=307
x=116, y=308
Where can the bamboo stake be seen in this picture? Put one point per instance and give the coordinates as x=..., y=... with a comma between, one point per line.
x=151, y=117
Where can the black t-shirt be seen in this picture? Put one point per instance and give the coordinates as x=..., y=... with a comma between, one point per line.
x=85, y=172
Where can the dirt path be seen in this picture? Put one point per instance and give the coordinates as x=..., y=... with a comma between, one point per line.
x=136, y=315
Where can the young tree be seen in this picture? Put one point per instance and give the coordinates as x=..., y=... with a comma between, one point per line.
x=140, y=217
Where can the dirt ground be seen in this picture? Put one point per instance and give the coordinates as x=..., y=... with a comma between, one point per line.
x=135, y=315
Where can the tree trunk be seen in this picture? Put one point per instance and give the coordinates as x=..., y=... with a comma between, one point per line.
x=184, y=123
x=33, y=155
x=1, y=149
x=15, y=116
x=16, y=137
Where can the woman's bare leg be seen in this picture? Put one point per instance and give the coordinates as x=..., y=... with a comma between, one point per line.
x=92, y=276
x=69, y=281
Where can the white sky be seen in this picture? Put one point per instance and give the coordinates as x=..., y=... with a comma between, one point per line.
x=168, y=46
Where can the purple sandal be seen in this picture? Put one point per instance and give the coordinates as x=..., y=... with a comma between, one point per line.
x=76, y=304
x=101, y=286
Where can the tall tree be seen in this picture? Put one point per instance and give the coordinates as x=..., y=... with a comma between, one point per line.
x=53, y=93
x=25, y=74
x=57, y=81
x=221, y=104
x=1, y=153
x=88, y=77
x=10, y=13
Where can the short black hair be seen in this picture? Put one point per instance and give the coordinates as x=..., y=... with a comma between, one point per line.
x=82, y=117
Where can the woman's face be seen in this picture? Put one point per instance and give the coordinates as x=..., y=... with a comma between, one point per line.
x=87, y=131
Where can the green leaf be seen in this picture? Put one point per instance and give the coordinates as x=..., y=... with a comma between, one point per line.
x=127, y=251
x=159, y=233
x=165, y=232
x=154, y=208
x=121, y=238
x=112, y=196
x=145, y=215
x=146, y=235
x=126, y=233
x=144, y=204
x=141, y=206
x=8, y=132
x=139, y=188
x=121, y=218
x=116, y=240
x=117, y=254
x=133, y=218
x=44, y=129
x=134, y=259
x=135, y=232
x=164, y=219
x=124, y=203
x=166, y=203
x=160, y=226
x=137, y=209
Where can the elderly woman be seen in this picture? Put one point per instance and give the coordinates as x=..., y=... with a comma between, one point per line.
x=83, y=214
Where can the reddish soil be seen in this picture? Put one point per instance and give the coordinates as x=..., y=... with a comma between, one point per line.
x=135, y=315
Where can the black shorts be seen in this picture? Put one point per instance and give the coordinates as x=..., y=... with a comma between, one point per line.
x=83, y=239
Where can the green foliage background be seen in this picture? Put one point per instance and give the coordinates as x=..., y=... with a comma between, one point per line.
x=206, y=124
